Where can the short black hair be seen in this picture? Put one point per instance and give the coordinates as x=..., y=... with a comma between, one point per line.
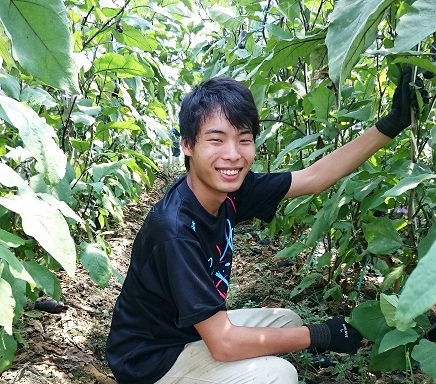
x=220, y=94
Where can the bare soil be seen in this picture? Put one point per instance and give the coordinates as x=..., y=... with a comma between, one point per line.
x=68, y=347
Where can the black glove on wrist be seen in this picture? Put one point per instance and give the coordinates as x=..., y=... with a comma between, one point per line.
x=334, y=335
x=399, y=117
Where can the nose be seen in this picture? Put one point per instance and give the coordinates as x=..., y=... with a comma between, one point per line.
x=232, y=151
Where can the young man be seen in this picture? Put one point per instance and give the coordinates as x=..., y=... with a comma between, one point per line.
x=170, y=323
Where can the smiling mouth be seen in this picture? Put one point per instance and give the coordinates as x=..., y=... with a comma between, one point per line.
x=229, y=172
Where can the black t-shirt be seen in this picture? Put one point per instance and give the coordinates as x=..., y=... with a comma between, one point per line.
x=179, y=274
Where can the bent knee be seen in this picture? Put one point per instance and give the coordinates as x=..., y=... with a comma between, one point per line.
x=271, y=369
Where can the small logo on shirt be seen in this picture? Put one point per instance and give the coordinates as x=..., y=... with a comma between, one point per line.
x=345, y=330
x=193, y=225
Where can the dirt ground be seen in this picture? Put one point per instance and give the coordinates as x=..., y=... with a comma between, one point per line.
x=68, y=347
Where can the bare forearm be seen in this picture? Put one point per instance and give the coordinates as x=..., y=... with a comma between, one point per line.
x=341, y=162
x=228, y=342
x=247, y=342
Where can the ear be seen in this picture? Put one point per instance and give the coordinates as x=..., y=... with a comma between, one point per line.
x=186, y=148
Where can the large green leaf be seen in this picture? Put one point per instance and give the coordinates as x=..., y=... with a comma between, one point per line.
x=352, y=29
x=45, y=279
x=408, y=183
x=100, y=171
x=395, y=338
x=388, y=306
x=104, y=130
x=369, y=312
x=7, y=306
x=10, y=240
x=322, y=99
x=419, y=291
x=19, y=288
x=295, y=144
x=96, y=263
x=123, y=66
x=41, y=40
x=225, y=17
x=61, y=206
x=427, y=242
x=47, y=225
x=8, y=346
x=134, y=37
x=10, y=178
x=38, y=138
x=16, y=268
x=425, y=353
x=9, y=84
x=287, y=52
x=382, y=236
x=391, y=360
x=416, y=25
x=326, y=216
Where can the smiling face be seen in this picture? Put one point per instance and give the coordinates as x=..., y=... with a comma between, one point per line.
x=219, y=160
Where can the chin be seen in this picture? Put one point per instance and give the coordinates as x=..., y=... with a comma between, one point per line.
x=227, y=188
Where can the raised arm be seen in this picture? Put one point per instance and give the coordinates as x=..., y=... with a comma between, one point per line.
x=327, y=171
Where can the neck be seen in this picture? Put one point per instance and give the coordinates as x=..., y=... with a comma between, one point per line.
x=210, y=201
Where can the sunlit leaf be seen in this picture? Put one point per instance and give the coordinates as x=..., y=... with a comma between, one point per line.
x=80, y=145
x=415, y=25
x=388, y=306
x=322, y=99
x=7, y=306
x=352, y=29
x=9, y=84
x=295, y=144
x=122, y=66
x=134, y=37
x=8, y=346
x=96, y=263
x=408, y=183
x=37, y=136
x=47, y=225
x=287, y=52
x=395, y=338
x=16, y=268
x=10, y=178
x=10, y=240
x=100, y=171
x=418, y=293
x=225, y=17
x=45, y=279
x=41, y=42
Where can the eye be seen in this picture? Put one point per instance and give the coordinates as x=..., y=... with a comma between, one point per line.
x=246, y=141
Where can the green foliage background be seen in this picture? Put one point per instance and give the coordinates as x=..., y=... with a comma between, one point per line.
x=90, y=91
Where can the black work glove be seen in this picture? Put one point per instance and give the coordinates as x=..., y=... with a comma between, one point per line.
x=334, y=335
x=399, y=117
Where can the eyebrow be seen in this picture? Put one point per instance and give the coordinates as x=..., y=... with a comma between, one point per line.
x=219, y=131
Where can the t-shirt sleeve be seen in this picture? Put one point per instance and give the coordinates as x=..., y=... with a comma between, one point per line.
x=183, y=269
x=260, y=194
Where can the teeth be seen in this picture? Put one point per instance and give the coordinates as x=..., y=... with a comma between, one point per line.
x=229, y=172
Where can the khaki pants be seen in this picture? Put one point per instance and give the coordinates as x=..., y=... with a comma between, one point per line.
x=195, y=365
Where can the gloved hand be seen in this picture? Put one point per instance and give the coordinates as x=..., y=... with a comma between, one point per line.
x=334, y=335
x=399, y=117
